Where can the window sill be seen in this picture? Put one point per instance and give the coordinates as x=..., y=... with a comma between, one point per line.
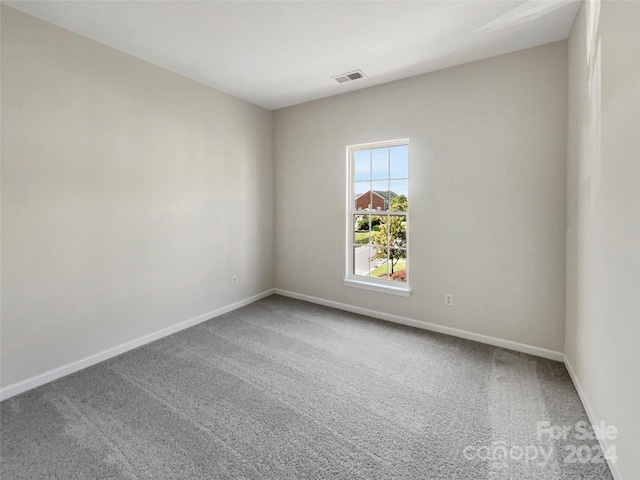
x=378, y=287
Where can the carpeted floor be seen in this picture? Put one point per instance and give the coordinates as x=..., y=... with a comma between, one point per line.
x=287, y=389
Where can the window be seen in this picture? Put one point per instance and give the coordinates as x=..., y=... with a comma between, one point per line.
x=378, y=216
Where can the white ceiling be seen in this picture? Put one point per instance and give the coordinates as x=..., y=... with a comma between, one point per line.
x=280, y=53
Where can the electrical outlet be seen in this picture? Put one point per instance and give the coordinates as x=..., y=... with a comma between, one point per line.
x=234, y=280
x=448, y=300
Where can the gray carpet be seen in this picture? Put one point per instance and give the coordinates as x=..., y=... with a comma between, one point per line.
x=287, y=389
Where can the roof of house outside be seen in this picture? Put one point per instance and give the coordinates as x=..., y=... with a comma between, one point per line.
x=386, y=194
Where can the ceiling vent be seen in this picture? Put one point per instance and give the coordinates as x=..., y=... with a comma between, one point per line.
x=349, y=77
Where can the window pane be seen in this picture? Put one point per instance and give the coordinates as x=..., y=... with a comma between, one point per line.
x=398, y=265
x=362, y=165
x=380, y=195
x=399, y=187
x=381, y=267
x=399, y=195
x=376, y=221
x=362, y=263
x=361, y=229
x=362, y=201
x=380, y=233
x=379, y=163
x=397, y=227
x=399, y=161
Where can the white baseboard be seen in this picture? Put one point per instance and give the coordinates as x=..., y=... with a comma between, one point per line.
x=593, y=419
x=496, y=342
x=11, y=390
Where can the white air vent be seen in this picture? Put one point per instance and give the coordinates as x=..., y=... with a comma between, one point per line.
x=348, y=77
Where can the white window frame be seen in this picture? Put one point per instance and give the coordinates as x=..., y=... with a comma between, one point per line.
x=351, y=279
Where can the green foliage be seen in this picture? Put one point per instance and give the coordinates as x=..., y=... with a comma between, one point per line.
x=361, y=238
x=363, y=223
x=399, y=203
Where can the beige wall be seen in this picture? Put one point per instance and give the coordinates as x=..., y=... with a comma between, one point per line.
x=603, y=226
x=487, y=194
x=130, y=195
